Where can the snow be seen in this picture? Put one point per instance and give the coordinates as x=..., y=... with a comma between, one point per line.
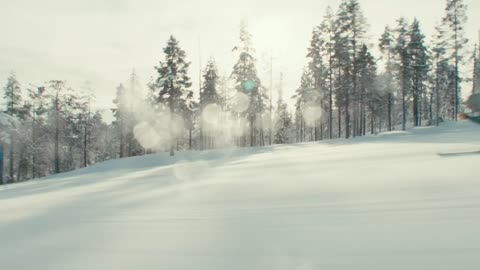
x=380, y=202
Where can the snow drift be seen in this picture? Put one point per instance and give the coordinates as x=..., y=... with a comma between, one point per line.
x=383, y=202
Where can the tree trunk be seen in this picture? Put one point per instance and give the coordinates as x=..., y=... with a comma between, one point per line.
x=364, y=120
x=21, y=164
x=252, y=131
x=389, y=112
x=347, y=118
x=302, y=136
x=11, y=161
x=404, y=105
x=122, y=141
x=430, y=111
x=456, y=66
x=1, y=165
x=437, y=98
x=354, y=94
x=85, y=146
x=34, y=145
x=57, y=135
x=330, y=100
x=171, y=107
x=372, y=123
x=339, y=122
x=415, y=109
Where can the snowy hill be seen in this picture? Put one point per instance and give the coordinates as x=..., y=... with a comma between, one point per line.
x=384, y=202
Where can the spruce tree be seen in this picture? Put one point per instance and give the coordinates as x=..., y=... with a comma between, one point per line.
x=172, y=84
x=209, y=96
x=283, y=124
x=283, y=120
x=189, y=114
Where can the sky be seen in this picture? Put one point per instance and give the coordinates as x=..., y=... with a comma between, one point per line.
x=102, y=41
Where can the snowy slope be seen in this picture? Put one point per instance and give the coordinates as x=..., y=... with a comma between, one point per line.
x=384, y=202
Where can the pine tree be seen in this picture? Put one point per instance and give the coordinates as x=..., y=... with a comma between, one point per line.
x=476, y=70
x=383, y=101
x=57, y=87
x=62, y=119
x=98, y=139
x=209, y=95
x=189, y=113
x=342, y=81
x=368, y=92
x=327, y=31
x=455, y=19
x=419, y=62
x=403, y=66
x=282, y=125
x=23, y=143
x=173, y=83
x=317, y=69
x=303, y=95
x=13, y=97
x=127, y=103
x=72, y=115
x=441, y=70
x=120, y=122
x=86, y=125
x=39, y=139
x=133, y=104
x=8, y=125
x=387, y=48
x=247, y=82
x=352, y=28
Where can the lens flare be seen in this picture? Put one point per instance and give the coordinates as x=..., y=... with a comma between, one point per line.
x=311, y=114
x=189, y=170
x=249, y=85
x=146, y=135
x=239, y=102
x=158, y=132
x=212, y=114
x=238, y=126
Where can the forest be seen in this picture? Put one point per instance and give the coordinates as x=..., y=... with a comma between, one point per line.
x=351, y=86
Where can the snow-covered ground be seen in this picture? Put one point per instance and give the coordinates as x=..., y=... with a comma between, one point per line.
x=383, y=202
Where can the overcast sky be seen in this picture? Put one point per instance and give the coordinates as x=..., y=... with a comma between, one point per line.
x=101, y=41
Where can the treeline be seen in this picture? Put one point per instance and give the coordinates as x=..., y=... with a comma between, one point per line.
x=345, y=91
x=419, y=83
x=50, y=129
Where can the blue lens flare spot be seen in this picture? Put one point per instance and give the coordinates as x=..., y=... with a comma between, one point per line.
x=249, y=85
